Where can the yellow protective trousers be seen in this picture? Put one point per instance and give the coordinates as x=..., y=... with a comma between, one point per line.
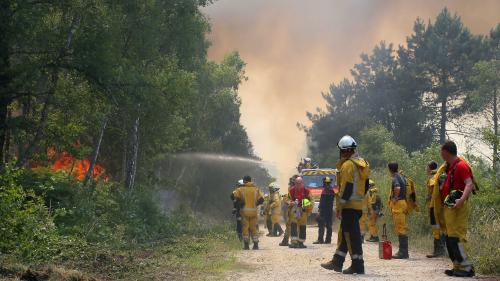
x=456, y=223
x=399, y=213
x=298, y=226
x=362, y=223
x=286, y=217
x=249, y=225
x=275, y=218
x=434, y=221
x=372, y=225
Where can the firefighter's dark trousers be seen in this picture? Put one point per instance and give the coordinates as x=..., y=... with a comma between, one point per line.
x=349, y=238
x=325, y=221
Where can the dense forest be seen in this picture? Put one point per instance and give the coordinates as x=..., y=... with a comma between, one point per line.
x=114, y=82
x=92, y=94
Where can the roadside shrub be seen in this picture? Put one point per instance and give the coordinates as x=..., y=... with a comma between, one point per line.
x=27, y=229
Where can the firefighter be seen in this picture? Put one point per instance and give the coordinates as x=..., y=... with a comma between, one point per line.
x=236, y=211
x=286, y=209
x=300, y=203
x=352, y=179
x=399, y=210
x=250, y=197
x=275, y=210
x=454, y=195
x=308, y=163
x=266, y=213
x=325, y=212
x=439, y=237
x=374, y=212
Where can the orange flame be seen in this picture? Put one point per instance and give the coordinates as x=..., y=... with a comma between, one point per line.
x=77, y=168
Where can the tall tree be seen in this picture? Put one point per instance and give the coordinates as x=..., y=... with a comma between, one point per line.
x=486, y=99
x=446, y=51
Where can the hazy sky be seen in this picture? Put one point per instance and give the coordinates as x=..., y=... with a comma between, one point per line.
x=294, y=49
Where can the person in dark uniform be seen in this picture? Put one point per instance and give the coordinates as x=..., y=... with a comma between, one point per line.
x=325, y=213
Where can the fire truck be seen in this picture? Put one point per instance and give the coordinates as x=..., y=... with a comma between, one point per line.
x=313, y=181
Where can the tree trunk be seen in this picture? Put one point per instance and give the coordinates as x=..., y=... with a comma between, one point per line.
x=5, y=76
x=132, y=158
x=444, y=119
x=97, y=147
x=3, y=130
x=124, y=153
x=495, y=141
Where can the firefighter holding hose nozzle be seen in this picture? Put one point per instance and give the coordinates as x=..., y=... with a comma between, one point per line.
x=236, y=211
x=250, y=197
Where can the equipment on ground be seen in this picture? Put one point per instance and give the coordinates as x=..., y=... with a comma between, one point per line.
x=384, y=246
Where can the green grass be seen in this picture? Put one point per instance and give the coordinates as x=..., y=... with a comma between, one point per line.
x=188, y=257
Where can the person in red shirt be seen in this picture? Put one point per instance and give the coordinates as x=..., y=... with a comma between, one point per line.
x=299, y=213
x=455, y=193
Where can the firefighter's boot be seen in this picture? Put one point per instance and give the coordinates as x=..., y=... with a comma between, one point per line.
x=246, y=246
x=284, y=242
x=278, y=231
x=255, y=246
x=403, y=248
x=357, y=267
x=438, y=248
x=335, y=264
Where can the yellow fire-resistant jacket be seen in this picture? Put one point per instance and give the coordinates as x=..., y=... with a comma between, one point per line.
x=249, y=194
x=352, y=180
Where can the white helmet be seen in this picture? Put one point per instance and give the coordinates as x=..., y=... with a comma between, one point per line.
x=347, y=142
x=307, y=159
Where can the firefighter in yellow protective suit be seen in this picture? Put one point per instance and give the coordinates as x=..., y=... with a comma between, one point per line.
x=374, y=212
x=352, y=180
x=457, y=186
x=434, y=216
x=250, y=197
x=399, y=210
x=266, y=213
x=275, y=210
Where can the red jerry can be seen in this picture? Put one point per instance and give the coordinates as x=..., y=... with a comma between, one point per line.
x=384, y=246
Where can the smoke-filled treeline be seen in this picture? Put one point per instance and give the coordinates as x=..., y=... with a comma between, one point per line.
x=418, y=91
x=114, y=81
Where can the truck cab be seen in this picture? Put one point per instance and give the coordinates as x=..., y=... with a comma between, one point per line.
x=313, y=181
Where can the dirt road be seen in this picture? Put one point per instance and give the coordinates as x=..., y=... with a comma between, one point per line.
x=273, y=262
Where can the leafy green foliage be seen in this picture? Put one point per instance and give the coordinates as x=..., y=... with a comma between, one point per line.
x=26, y=228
